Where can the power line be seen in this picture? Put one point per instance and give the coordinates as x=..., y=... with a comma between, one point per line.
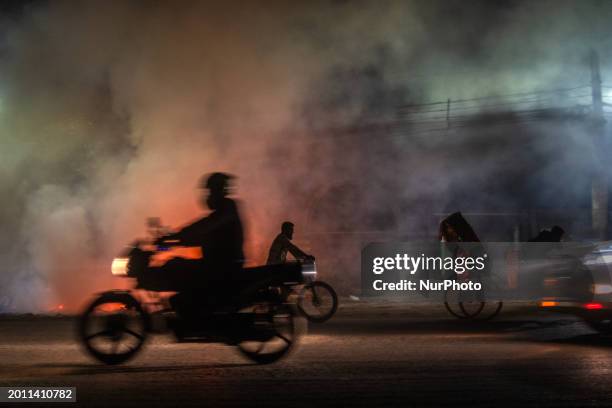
x=488, y=107
x=504, y=96
x=472, y=117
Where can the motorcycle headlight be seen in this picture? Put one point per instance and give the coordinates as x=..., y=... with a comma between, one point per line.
x=309, y=270
x=119, y=267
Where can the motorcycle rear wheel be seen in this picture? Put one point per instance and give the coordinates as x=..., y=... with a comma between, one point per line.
x=280, y=325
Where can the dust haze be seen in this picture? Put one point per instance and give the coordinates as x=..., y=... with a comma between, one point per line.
x=111, y=111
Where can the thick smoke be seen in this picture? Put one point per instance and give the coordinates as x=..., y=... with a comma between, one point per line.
x=111, y=111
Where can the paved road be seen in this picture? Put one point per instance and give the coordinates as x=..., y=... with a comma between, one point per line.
x=370, y=355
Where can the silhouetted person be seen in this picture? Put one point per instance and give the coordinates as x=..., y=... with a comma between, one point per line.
x=282, y=244
x=555, y=234
x=220, y=234
x=220, y=237
x=455, y=228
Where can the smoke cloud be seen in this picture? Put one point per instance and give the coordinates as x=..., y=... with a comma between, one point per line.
x=111, y=112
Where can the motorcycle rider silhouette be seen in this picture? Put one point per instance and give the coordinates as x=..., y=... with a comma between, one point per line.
x=202, y=283
x=282, y=244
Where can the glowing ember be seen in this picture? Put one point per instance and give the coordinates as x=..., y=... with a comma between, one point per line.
x=57, y=309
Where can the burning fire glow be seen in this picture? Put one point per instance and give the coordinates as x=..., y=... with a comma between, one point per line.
x=57, y=309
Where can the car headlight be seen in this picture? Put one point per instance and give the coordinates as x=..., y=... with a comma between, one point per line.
x=119, y=267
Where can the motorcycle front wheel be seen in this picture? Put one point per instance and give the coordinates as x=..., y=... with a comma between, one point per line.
x=113, y=328
x=318, y=301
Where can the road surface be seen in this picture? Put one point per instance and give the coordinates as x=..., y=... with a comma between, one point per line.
x=370, y=354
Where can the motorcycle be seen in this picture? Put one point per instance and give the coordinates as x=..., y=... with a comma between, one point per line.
x=257, y=317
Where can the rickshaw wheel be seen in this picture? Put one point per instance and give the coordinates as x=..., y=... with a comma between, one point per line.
x=472, y=310
x=459, y=308
x=458, y=314
x=475, y=309
x=113, y=328
x=496, y=307
x=276, y=329
x=318, y=301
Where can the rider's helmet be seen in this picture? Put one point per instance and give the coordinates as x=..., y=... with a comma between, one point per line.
x=216, y=182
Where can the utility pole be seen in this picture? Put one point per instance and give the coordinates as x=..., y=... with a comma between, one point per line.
x=599, y=184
